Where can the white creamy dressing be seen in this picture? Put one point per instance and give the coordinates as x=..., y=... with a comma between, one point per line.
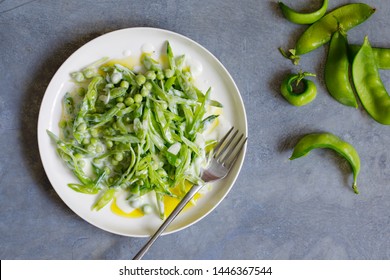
x=195, y=66
x=148, y=48
x=127, y=53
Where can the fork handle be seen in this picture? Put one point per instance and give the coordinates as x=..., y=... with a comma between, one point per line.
x=187, y=198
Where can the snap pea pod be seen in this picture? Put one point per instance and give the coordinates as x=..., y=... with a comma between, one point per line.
x=320, y=32
x=329, y=141
x=337, y=71
x=307, y=95
x=369, y=86
x=381, y=55
x=303, y=18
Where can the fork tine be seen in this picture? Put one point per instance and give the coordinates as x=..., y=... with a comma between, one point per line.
x=220, y=143
x=231, y=149
x=233, y=157
x=225, y=146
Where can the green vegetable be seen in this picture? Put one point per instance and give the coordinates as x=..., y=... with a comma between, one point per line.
x=381, y=55
x=302, y=97
x=337, y=71
x=320, y=32
x=330, y=141
x=303, y=18
x=369, y=86
x=140, y=132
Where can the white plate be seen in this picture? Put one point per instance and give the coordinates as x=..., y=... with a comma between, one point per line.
x=116, y=45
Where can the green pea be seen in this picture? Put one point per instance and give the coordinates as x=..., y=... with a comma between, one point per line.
x=129, y=101
x=91, y=148
x=169, y=73
x=307, y=95
x=99, y=148
x=148, y=85
x=337, y=71
x=140, y=79
x=369, y=86
x=138, y=98
x=118, y=156
x=150, y=75
x=85, y=141
x=320, y=32
x=303, y=18
x=144, y=91
x=160, y=75
x=124, y=84
x=109, y=144
x=330, y=141
x=94, y=133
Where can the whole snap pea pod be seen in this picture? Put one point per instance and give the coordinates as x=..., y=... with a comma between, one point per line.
x=303, y=18
x=382, y=55
x=330, y=141
x=320, y=32
x=369, y=86
x=305, y=96
x=337, y=70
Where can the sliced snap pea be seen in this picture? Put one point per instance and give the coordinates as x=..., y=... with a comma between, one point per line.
x=381, y=55
x=303, y=18
x=337, y=71
x=291, y=82
x=320, y=32
x=369, y=86
x=330, y=141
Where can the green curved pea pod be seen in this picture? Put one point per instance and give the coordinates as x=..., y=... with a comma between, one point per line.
x=303, y=18
x=307, y=95
x=320, y=32
x=329, y=141
x=369, y=86
x=381, y=55
x=337, y=71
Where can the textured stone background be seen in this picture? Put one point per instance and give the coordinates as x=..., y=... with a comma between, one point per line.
x=277, y=209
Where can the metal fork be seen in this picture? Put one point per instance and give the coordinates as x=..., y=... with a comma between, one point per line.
x=224, y=156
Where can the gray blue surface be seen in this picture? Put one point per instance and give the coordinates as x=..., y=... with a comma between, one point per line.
x=278, y=209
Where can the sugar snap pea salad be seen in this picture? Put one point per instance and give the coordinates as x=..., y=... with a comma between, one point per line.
x=139, y=132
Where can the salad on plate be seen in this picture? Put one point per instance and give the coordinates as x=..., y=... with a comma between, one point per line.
x=136, y=136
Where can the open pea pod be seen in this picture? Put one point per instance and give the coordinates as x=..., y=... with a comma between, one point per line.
x=369, y=86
